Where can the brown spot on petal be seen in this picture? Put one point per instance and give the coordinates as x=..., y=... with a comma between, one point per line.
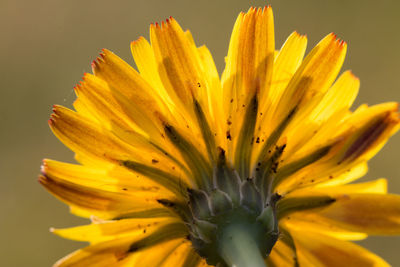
x=228, y=135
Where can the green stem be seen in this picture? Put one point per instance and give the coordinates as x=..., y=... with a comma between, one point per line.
x=239, y=248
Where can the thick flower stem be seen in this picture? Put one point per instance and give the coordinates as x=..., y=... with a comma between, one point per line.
x=239, y=248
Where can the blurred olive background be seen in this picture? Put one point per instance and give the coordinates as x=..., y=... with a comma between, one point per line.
x=47, y=45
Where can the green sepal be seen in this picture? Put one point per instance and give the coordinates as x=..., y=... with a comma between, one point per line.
x=267, y=219
x=205, y=230
x=199, y=204
x=250, y=197
x=220, y=202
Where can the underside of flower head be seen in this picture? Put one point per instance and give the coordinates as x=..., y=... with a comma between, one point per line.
x=179, y=167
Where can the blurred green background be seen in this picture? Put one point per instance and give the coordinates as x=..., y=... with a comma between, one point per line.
x=46, y=46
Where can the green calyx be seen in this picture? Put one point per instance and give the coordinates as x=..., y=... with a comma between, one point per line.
x=214, y=239
x=232, y=212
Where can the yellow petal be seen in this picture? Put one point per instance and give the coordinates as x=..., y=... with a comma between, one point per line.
x=183, y=75
x=85, y=137
x=177, y=60
x=321, y=250
x=314, y=76
x=340, y=96
x=312, y=220
x=210, y=93
x=122, y=119
x=180, y=255
x=122, y=77
x=286, y=63
x=135, y=97
x=194, y=259
x=281, y=255
x=215, y=101
x=120, y=252
x=249, y=66
x=346, y=177
x=178, y=115
x=82, y=109
x=103, y=102
x=118, y=116
x=356, y=140
x=301, y=96
x=117, y=179
x=369, y=213
x=97, y=144
x=373, y=128
x=146, y=257
x=311, y=117
x=110, y=230
x=378, y=186
x=86, y=201
x=164, y=252
x=299, y=222
x=251, y=54
x=288, y=205
x=146, y=62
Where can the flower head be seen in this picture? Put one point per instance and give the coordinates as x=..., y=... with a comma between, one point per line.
x=179, y=167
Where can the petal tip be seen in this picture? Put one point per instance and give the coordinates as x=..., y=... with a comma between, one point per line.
x=353, y=76
x=342, y=43
x=138, y=40
x=332, y=35
x=299, y=35
x=56, y=109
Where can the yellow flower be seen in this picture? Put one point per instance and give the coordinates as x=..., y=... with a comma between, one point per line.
x=179, y=167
